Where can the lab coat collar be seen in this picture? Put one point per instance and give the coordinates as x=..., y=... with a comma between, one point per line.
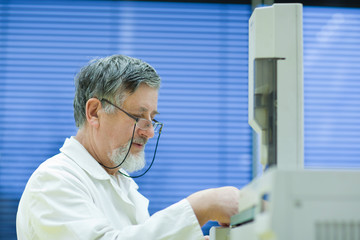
x=78, y=153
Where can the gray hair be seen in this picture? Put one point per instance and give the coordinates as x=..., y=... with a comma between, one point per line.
x=114, y=78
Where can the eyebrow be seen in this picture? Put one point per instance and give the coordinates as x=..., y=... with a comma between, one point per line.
x=143, y=110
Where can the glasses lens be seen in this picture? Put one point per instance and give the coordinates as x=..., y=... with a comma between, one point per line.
x=156, y=126
x=143, y=124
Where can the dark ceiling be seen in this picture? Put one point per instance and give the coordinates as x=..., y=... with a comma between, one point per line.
x=331, y=3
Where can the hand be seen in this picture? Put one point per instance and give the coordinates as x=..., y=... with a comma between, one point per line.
x=217, y=204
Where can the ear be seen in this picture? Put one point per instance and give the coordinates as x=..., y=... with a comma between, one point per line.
x=93, y=106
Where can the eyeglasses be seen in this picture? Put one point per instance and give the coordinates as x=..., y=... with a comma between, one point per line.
x=141, y=123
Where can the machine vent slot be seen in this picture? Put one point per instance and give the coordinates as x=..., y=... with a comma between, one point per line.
x=337, y=230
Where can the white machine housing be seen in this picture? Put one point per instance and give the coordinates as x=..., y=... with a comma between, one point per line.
x=287, y=202
x=275, y=34
x=301, y=204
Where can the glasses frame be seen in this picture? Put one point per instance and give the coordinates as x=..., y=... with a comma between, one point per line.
x=154, y=122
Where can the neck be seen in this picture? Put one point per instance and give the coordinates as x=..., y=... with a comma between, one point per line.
x=89, y=144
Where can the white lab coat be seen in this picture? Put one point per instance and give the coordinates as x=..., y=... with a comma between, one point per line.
x=70, y=196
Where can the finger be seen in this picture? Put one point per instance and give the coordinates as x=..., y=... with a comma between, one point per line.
x=224, y=224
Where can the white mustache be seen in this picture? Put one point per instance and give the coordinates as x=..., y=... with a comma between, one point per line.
x=141, y=141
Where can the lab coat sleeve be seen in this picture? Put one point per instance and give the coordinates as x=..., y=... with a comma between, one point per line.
x=61, y=207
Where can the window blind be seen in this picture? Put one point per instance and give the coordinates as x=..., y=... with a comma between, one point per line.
x=42, y=47
x=332, y=87
x=199, y=50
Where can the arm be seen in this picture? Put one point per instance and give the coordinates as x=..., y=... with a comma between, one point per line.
x=61, y=207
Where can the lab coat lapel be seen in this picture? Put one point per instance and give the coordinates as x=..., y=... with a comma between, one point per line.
x=129, y=195
x=140, y=202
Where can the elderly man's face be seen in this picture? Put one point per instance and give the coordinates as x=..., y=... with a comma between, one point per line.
x=116, y=129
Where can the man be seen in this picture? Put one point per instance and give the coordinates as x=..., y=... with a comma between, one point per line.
x=84, y=191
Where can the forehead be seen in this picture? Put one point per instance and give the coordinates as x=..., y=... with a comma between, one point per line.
x=143, y=100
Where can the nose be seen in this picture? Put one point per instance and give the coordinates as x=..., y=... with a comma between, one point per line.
x=148, y=133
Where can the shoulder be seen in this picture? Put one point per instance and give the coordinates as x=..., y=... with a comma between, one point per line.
x=57, y=172
x=58, y=164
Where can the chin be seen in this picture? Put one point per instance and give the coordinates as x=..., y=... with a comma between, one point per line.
x=134, y=162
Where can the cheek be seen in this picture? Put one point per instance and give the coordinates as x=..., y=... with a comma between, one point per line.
x=115, y=131
x=120, y=136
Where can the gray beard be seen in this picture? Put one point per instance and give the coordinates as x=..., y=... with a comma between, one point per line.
x=133, y=162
